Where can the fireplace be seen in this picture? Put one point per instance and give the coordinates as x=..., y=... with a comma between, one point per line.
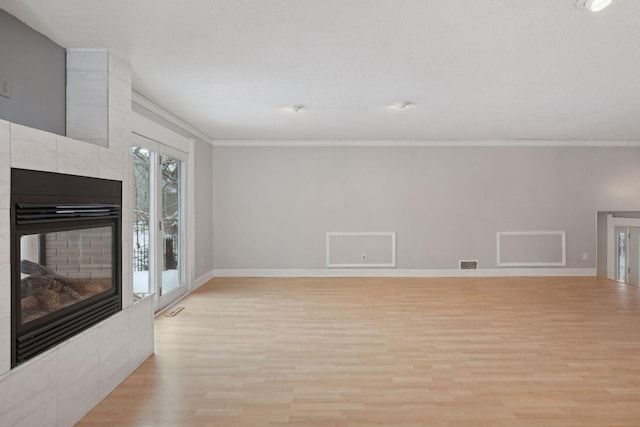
x=65, y=257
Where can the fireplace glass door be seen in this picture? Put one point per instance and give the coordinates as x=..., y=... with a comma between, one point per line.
x=66, y=246
x=64, y=268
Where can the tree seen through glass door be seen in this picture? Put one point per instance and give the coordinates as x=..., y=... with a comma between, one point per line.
x=170, y=169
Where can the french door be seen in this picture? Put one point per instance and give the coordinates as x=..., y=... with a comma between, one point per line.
x=628, y=254
x=633, y=254
x=158, y=225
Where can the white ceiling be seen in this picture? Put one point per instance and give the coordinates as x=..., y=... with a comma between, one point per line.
x=473, y=69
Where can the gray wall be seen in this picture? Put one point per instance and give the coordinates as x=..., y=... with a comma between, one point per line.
x=203, y=192
x=36, y=69
x=273, y=205
x=603, y=256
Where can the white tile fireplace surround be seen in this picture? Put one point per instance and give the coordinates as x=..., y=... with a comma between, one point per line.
x=58, y=387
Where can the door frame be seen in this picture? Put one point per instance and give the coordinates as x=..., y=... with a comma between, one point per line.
x=620, y=229
x=151, y=135
x=165, y=300
x=612, y=223
x=633, y=255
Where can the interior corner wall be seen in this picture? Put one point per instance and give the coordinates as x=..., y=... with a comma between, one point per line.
x=203, y=192
x=273, y=205
x=601, y=266
x=36, y=69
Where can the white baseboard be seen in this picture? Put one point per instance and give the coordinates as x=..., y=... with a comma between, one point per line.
x=202, y=280
x=382, y=272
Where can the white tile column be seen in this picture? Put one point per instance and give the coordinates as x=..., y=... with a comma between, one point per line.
x=5, y=244
x=58, y=387
x=99, y=112
x=99, y=98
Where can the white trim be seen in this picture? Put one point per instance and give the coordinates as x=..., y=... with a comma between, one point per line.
x=147, y=128
x=190, y=217
x=391, y=234
x=561, y=263
x=611, y=248
x=202, y=280
x=144, y=142
x=612, y=223
x=420, y=143
x=154, y=268
x=625, y=222
x=375, y=272
x=176, y=154
x=212, y=243
x=136, y=98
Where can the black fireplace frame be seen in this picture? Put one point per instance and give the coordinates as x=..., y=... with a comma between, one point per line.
x=78, y=202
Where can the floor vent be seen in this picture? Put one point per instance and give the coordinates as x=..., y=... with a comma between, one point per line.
x=468, y=265
x=174, y=312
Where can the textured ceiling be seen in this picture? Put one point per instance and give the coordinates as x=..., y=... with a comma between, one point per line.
x=473, y=70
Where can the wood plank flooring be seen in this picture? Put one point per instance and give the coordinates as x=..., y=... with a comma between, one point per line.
x=552, y=352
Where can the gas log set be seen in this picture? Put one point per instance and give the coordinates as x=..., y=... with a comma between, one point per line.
x=44, y=291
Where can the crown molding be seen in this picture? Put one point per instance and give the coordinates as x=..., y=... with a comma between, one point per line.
x=418, y=143
x=139, y=99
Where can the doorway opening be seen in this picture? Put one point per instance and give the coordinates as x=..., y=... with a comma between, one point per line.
x=158, y=225
x=619, y=246
x=628, y=255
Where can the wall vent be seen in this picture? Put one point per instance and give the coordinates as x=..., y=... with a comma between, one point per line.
x=468, y=265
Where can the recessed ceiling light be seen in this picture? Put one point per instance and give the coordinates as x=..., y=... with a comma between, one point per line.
x=593, y=5
x=401, y=105
x=295, y=108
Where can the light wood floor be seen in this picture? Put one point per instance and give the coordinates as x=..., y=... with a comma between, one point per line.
x=391, y=352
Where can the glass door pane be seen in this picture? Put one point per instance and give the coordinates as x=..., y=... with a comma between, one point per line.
x=171, y=223
x=141, y=219
x=63, y=268
x=158, y=225
x=621, y=254
x=633, y=258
